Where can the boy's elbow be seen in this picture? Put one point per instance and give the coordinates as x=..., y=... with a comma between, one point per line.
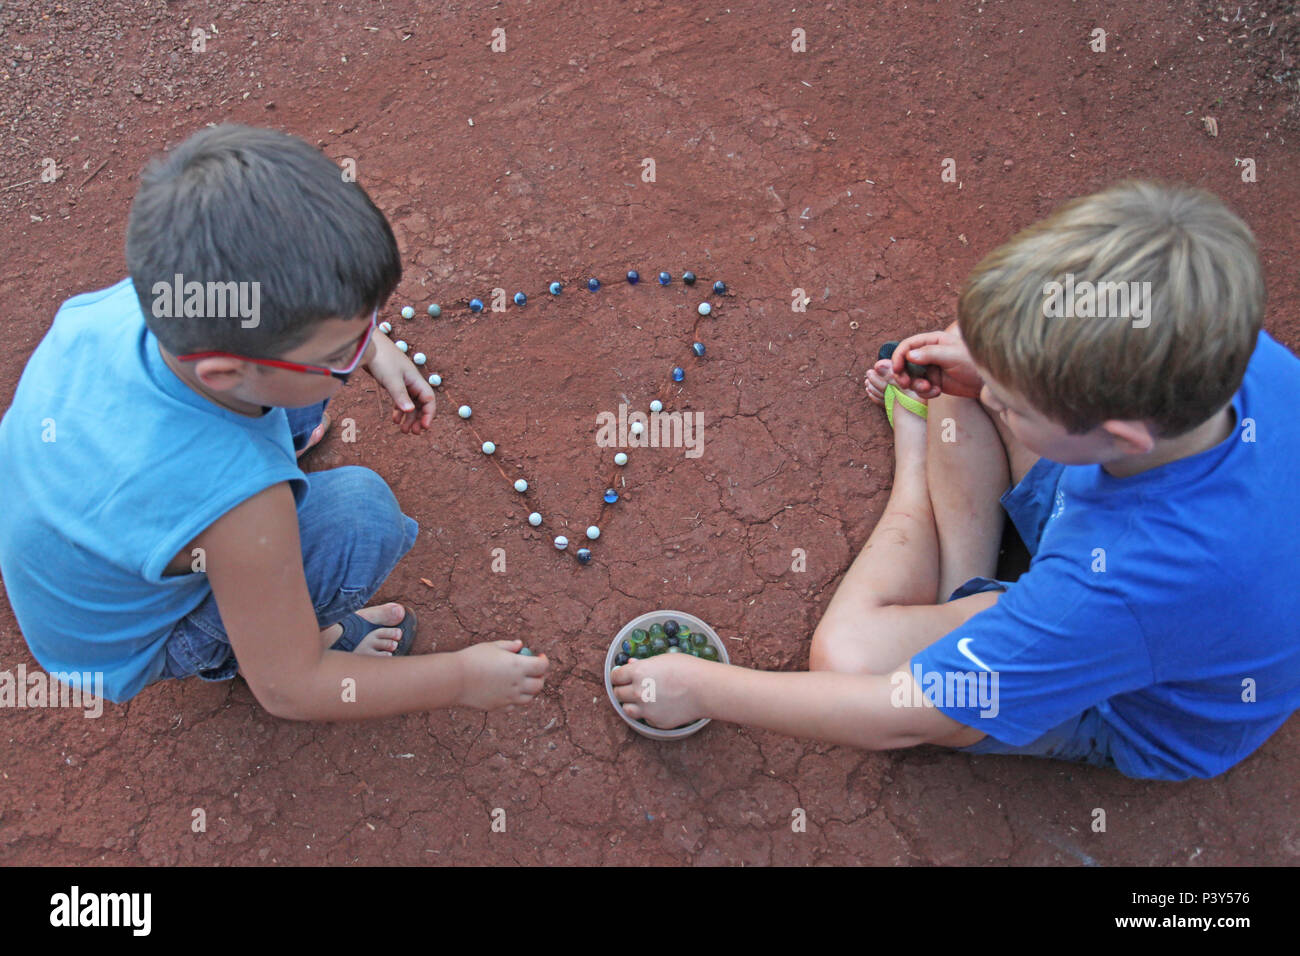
x=285, y=709
x=281, y=702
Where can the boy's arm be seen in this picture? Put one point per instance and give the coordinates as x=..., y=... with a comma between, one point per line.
x=868, y=711
x=254, y=564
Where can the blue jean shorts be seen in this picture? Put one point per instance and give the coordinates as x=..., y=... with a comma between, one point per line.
x=353, y=534
x=1084, y=738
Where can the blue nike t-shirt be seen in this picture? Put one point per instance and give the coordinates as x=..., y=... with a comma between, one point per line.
x=109, y=466
x=1166, y=600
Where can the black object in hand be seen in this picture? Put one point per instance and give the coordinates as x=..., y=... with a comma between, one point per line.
x=913, y=370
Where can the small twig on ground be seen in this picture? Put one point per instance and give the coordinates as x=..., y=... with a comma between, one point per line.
x=93, y=173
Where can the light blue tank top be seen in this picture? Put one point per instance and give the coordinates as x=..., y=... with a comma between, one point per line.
x=110, y=465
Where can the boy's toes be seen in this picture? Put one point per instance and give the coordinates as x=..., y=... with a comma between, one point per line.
x=877, y=378
x=380, y=641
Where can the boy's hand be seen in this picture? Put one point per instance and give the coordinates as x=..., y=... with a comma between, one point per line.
x=672, y=684
x=494, y=675
x=412, y=395
x=951, y=370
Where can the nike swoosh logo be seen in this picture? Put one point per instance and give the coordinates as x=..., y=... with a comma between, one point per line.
x=963, y=646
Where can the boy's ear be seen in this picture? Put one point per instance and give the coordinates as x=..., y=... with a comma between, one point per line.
x=220, y=374
x=1133, y=438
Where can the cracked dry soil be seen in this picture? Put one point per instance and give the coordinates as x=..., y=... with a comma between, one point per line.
x=775, y=171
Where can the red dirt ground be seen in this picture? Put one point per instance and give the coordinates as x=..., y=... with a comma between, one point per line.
x=775, y=170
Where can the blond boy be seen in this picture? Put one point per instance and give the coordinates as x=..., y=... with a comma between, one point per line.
x=1148, y=459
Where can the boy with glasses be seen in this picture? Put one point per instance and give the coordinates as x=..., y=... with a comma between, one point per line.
x=165, y=529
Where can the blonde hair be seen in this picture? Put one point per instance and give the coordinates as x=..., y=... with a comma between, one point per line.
x=1198, y=277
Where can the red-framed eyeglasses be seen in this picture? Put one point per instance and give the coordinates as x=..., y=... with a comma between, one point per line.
x=340, y=373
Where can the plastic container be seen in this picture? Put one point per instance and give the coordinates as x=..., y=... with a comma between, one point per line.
x=644, y=621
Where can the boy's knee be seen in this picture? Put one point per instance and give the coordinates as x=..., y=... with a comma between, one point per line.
x=368, y=522
x=844, y=650
x=960, y=410
x=363, y=489
x=379, y=515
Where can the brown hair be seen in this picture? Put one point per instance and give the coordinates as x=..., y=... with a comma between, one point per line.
x=1172, y=358
x=245, y=205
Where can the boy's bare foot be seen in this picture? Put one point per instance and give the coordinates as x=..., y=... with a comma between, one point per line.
x=382, y=641
x=317, y=434
x=909, y=428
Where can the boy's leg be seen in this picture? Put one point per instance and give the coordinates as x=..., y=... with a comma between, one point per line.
x=884, y=609
x=971, y=459
x=1084, y=738
x=303, y=423
x=941, y=527
x=353, y=534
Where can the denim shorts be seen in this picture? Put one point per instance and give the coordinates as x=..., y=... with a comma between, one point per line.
x=1084, y=738
x=353, y=534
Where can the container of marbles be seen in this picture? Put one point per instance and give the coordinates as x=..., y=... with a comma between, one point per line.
x=662, y=632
